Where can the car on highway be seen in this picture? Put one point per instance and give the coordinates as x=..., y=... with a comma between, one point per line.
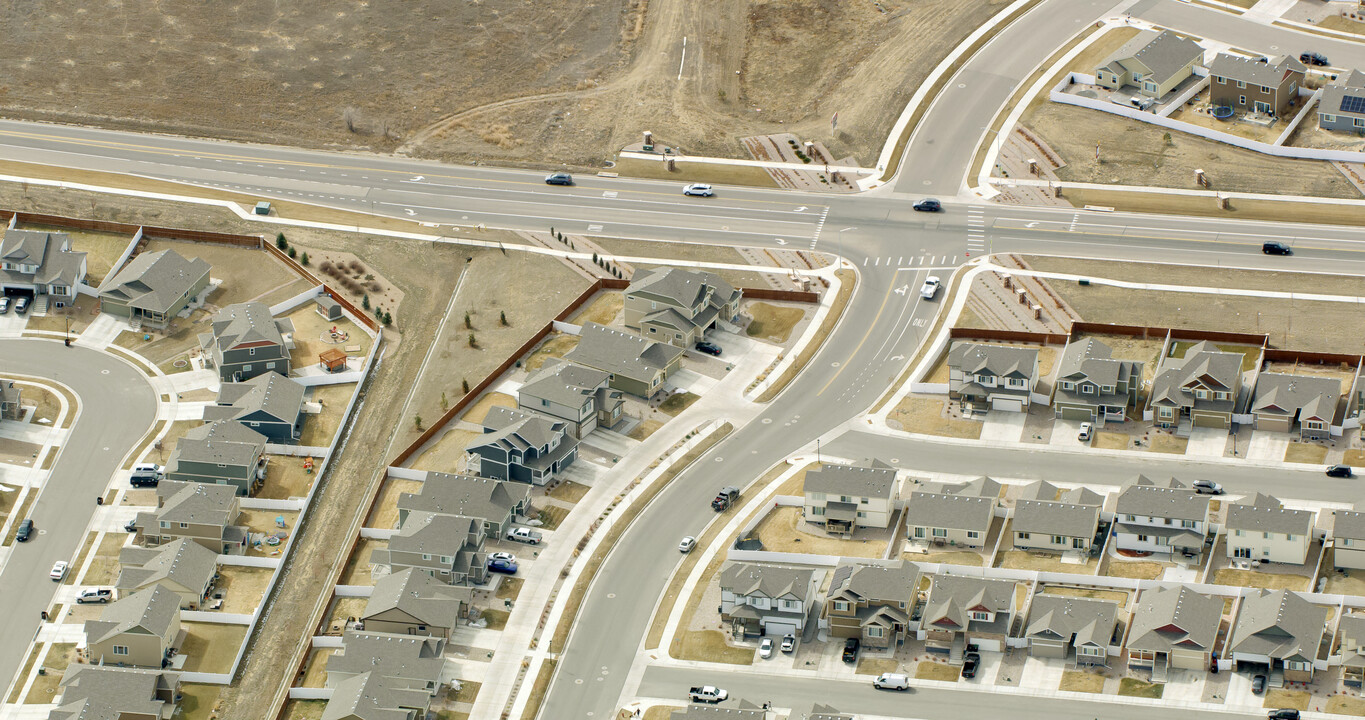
x=559, y=178
x=506, y=567
x=970, y=662
x=1283, y=714
x=930, y=287
x=1207, y=487
x=892, y=681
x=59, y=569
x=708, y=348
x=687, y=544
x=928, y=205
x=25, y=531
x=788, y=644
x=765, y=648
x=4, y=305
x=699, y=190
x=1275, y=247
x=851, y=646
x=21, y=305
x=1087, y=429
x=509, y=557
x=1339, y=471
x=1313, y=58
x=1258, y=684
x=95, y=595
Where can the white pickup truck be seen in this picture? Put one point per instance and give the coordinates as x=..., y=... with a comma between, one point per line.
x=707, y=694
x=524, y=535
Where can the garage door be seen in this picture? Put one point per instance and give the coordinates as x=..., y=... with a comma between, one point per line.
x=1076, y=413
x=779, y=628
x=987, y=645
x=1009, y=404
x=1210, y=421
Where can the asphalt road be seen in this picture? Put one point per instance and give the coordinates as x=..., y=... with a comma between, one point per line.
x=118, y=407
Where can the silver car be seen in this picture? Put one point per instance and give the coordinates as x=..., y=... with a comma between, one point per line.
x=699, y=190
x=687, y=544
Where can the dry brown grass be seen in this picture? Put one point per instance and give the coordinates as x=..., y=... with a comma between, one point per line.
x=384, y=514
x=1134, y=570
x=555, y=346
x=1112, y=440
x=476, y=412
x=1077, y=681
x=1310, y=453
x=315, y=670
x=357, y=570
x=958, y=557
x=644, y=429
x=104, y=566
x=446, y=453
x=1340, y=24
x=1254, y=579
x=930, y=670
x=925, y=415
x=675, y=404
x=780, y=531
x=1042, y=562
x=876, y=666
x=285, y=477
x=1346, y=705
x=243, y=587
x=319, y=429
x=603, y=309
x=568, y=491
x=44, y=688
x=773, y=322
x=1167, y=443
x=710, y=646
x=1117, y=596
x=1281, y=698
x=1134, y=687
x=211, y=647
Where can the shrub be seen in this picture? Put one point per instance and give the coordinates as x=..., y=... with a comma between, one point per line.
x=356, y=266
x=280, y=242
x=325, y=266
x=292, y=253
x=502, y=318
x=304, y=259
x=365, y=302
x=468, y=324
x=388, y=318
x=464, y=385
x=472, y=341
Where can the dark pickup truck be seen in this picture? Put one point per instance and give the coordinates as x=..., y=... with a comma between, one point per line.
x=725, y=498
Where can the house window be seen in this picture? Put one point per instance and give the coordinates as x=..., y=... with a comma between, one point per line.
x=862, y=514
x=1265, y=536
x=841, y=606
x=1221, y=80
x=1132, y=518
x=985, y=379
x=1151, y=87
x=973, y=535
x=1058, y=540
x=1142, y=538
x=1347, y=542
x=1359, y=122
x=1107, y=389
x=940, y=532
x=1016, y=382
x=1201, y=393
x=1089, y=650
x=1068, y=385
x=251, y=351
x=1238, y=533
x=1291, y=665
x=863, y=501
x=1078, y=543
x=845, y=499
x=875, y=632
x=270, y=366
x=1332, y=118
x=184, y=525
x=426, y=556
x=1289, y=538
x=120, y=650
x=165, y=525
x=1220, y=396
x=1241, y=100
x=1187, y=524
x=445, y=559
x=981, y=616
x=1265, y=90
x=246, y=368
x=919, y=532
x=818, y=510
x=1021, y=536
x=1313, y=425
x=1241, y=85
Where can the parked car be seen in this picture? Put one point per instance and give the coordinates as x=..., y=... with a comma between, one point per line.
x=59, y=569
x=1339, y=471
x=506, y=567
x=708, y=348
x=21, y=305
x=25, y=531
x=524, y=535
x=1258, y=684
x=851, y=646
x=765, y=648
x=1207, y=487
x=130, y=526
x=1283, y=714
x=930, y=288
x=929, y=205
x=970, y=662
x=789, y=644
x=1313, y=58
x=687, y=544
x=509, y=557
x=95, y=595
x=4, y=305
x=1275, y=247
x=146, y=475
x=559, y=178
x=1087, y=429
x=707, y=694
x=699, y=190
x=892, y=681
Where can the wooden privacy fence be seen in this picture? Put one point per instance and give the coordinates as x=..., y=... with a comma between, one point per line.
x=1007, y=335
x=131, y=229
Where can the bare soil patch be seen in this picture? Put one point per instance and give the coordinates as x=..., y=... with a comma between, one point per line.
x=926, y=415
x=385, y=511
x=773, y=322
x=1043, y=562
x=1135, y=570
x=603, y=309
x=957, y=557
x=1282, y=698
x=780, y=531
x=319, y=429
x=1254, y=579
x=933, y=670
x=15, y=452
x=243, y=588
x=1117, y=596
x=357, y=570
x=286, y=477
x=313, y=335
x=1079, y=681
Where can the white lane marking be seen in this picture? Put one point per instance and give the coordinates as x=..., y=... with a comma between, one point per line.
x=560, y=218
x=609, y=194
x=594, y=228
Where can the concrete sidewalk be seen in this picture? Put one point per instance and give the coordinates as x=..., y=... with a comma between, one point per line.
x=101, y=331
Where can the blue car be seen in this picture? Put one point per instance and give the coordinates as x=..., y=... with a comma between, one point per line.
x=500, y=565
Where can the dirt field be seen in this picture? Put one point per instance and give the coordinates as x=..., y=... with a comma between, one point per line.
x=1133, y=153
x=1198, y=276
x=774, y=322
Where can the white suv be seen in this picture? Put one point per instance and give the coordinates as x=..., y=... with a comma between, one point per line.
x=930, y=288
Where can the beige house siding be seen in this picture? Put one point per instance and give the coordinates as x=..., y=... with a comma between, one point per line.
x=1041, y=541
x=950, y=536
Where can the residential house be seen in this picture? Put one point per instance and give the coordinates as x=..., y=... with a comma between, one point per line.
x=154, y=287
x=382, y=676
x=1160, y=517
x=95, y=692
x=846, y=497
x=957, y=516
x=523, y=446
x=223, y=452
x=494, y=501
x=1046, y=519
x=1283, y=401
x=766, y=599
x=41, y=263
x=270, y=403
x=1093, y=386
x=447, y=547
x=1200, y=388
x=246, y=341
x=580, y=396
x=196, y=511
x=411, y=602
x=1278, y=630
x=1173, y=628
x=141, y=630
x=375, y=696
x=678, y=306
x=1152, y=62
x=964, y=610
x=1352, y=649
x=1342, y=106
x=11, y=407
x=1082, y=629
x=182, y=566
x=1261, y=528
x=871, y=602
x=1348, y=538
x=1265, y=87
x=633, y=364
x=992, y=377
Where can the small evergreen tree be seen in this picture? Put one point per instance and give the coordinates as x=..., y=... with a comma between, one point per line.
x=445, y=404
x=280, y=242
x=304, y=259
x=464, y=385
x=292, y=252
x=472, y=342
x=388, y=318
x=417, y=419
x=468, y=324
x=502, y=318
x=365, y=302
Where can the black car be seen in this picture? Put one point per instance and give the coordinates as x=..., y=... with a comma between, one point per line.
x=1313, y=58
x=708, y=348
x=1283, y=714
x=1275, y=247
x=25, y=531
x=851, y=646
x=929, y=205
x=970, y=662
x=559, y=178
x=1258, y=684
x=1340, y=471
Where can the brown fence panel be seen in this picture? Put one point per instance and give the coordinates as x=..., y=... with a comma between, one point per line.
x=204, y=236
x=572, y=307
x=1176, y=333
x=1217, y=336
x=74, y=223
x=1319, y=358
x=1007, y=335
x=1141, y=331
x=783, y=295
x=293, y=264
x=363, y=316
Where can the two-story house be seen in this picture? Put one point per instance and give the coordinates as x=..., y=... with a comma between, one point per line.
x=1047, y=519
x=843, y=498
x=992, y=377
x=196, y=511
x=1348, y=538
x=154, y=287
x=953, y=515
x=246, y=341
x=1198, y=389
x=1352, y=649
x=383, y=676
x=633, y=364
x=1094, y=387
x=1266, y=86
x=1342, y=107
x=962, y=610
x=580, y=396
x=496, y=502
x=95, y=692
x=223, y=452
x=766, y=599
x=182, y=566
x=678, y=306
x=1173, y=628
x=1262, y=528
x=141, y=630
x=447, y=547
x=523, y=446
x=1079, y=629
x=41, y=263
x=271, y=404
x=1160, y=517
x=871, y=602
x=1306, y=403
x=1152, y=62
x=411, y=602
x=1278, y=630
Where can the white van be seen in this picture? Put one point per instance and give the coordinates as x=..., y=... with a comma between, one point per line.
x=892, y=681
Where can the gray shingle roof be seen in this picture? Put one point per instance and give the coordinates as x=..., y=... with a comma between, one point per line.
x=153, y=609
x=1264, y=513
x=466, y=495
x=563, y=384
x=1349, y=524
x=946, y=510
x=521, y=429
x=51, y=252
x=684, y=287
x=1150, y=500
x=743, y=578
x=418, y=595
x=246, y=324
x=1089, y=360
x=620, y=353
x=407, y=657
x=1205, y=363
x=1279, y=624
x=98, y=692
x=1352, y=628
x=1334, y=95
x=375, y=696
x=998, y=360
x=874, y=583
x=1055, y=518
x=1161, y=53
x=223, y=442
x=952, y=598
x=1254, y=72
x=197, y=503
x=273, y=394
x=154, y=281
x=434, y=534
x=852, y=480
x=1081, y=621
x=1175, y=618
x=1302, y=397
x=183, y=562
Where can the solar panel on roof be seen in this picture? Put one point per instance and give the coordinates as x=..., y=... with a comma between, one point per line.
x=1353, y=104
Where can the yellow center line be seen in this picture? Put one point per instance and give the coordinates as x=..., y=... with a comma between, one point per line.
x=870, y=327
